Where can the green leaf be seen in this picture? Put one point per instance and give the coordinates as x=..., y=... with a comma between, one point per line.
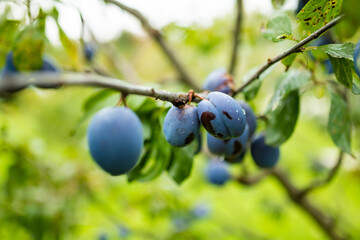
x=70, y=47
x=277, y=3
x=288, y=60
x=291, y=81
x=29, y=46
x=282, y=120
x=181, y=162
x=278, y=29
x=343, y=69
x=93, y=101
x=339, y=123
x=345, y=50
x=318, y=13
x=252, y=90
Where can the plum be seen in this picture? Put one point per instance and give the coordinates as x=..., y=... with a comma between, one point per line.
x=357, y=58
x=222, y=116
x=301, y=5
x=89, y=51
x=217, y=173
x=115, y=139
x=181, y=125
x=265, y=156
x=250, y=117
x=219, y=80
x=236, y=159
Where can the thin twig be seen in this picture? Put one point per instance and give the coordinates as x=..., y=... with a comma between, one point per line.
x=251, y=180
x=156, y=35
x=296, y=48
x=236, y=37
x=325, y=222
x=327, y=180
x=16, y=82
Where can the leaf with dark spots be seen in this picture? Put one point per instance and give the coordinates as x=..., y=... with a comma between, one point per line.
x=206, y=118
x=189, y=138
x=227, y=115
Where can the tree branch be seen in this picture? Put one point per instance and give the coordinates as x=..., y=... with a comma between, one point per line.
x=236, y=37
x=156, y=35
x=16, y=82
x=327, y=180
x=293, y=49
x=326, y=223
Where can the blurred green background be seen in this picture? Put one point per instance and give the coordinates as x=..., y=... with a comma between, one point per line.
x=51, y=189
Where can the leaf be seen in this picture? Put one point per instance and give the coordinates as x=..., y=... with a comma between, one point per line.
x=92, y=102
x=251, y=90
x=318, y=13
x=291, y=81
x=339, y=123
x=343, y=70
x=29, y=46
x=277, y=3
x=278, y=29
x=70, y=47
x=181, y=162
x=345, y=50
x=282, y=120
x=289, y=60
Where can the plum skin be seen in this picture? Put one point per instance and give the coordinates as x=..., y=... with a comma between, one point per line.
x=181, y=125
x=218, y=80
x=217, y=173
x=250, y=117
x=265, y=156
x=115, y=139
x=222, y=116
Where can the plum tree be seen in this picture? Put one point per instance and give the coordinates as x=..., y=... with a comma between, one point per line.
x=217, y=173
x=357, y=58
x=222, y=116
x=250, y=117
x=265, y=156
x=219, y=80
x=181, y=125
x=115, y=139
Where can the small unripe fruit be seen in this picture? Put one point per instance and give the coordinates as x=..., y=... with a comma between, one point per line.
x=265, y=156
x=115, y=139
x=219, y=80
x=217, y=173
x=222, y=116
x=181, y=125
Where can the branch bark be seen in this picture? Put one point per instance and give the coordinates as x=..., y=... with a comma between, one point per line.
x=16, y=82
x=236, y=37
x=294, y=49
x=326, y=223
x=156, y=35
x=327, y=180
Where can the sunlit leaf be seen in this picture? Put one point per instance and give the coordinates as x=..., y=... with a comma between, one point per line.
x=278, y=29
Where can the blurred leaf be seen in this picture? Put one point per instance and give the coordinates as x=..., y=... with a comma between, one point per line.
x=291, y=81
x=181, y=162
x=29, y=46
x=282, y=120
x=339, y=123
x=356, y=84
x=343, y=70
x=70, y=47
x=288, y=60
x=278, y=29
x=92, y=102
x=277, y=3
x=318, y=13
x=345, y=50
x=251, y=90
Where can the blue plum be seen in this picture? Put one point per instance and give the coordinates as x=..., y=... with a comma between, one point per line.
x=115, y=139
x=219, y=80
x=89, y=51
x=250, y=117
x=265, y=156
x=357, y=58
x=222, y=116
x=217, y=173
x=236, y=159
x=181, y=125
x=301, y=5
x=231, y=147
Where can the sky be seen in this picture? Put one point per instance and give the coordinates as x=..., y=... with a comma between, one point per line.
x=108, y=21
